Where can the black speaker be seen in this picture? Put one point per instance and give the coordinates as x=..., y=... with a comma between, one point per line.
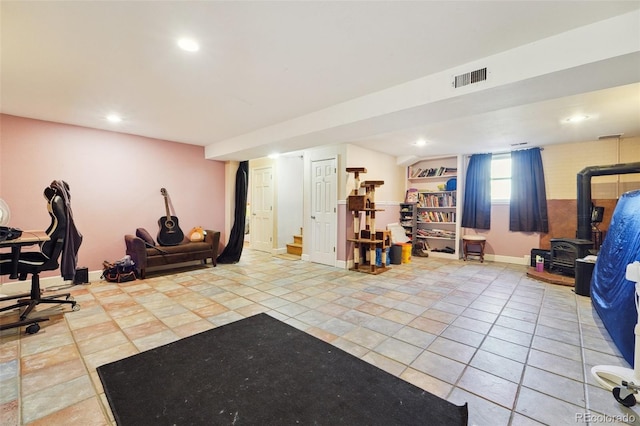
x=82, y=276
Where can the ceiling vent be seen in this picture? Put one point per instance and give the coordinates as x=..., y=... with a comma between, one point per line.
x=470, y=78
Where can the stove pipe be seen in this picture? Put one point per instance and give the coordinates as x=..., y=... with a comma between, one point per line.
x=584, y=191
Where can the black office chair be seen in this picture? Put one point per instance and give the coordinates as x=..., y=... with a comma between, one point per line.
x=34, y=262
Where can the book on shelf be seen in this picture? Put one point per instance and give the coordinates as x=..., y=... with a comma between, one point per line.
x=419, y=172
x=411, y=196
x=436, y=233
x=436, y=199
x=437, y=217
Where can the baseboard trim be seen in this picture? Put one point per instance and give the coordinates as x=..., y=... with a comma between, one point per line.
x=507, y=259
x=16, y=287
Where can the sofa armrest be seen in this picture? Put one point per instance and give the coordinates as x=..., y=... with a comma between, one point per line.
x=137, y=250
x=213, y=238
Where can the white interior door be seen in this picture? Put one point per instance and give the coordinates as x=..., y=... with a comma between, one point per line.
x=323, y=212
x=262, y=209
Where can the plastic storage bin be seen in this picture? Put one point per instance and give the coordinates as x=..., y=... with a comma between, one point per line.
x=584, y=271
x=396, y=254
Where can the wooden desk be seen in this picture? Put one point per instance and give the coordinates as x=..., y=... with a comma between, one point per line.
x=28, y=238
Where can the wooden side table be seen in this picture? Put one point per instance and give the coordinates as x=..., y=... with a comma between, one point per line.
x=473, y=245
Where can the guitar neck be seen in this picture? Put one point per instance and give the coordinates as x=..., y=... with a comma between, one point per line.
x=166, y=206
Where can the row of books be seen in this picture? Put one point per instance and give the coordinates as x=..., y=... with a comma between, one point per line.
x=433, y=171
x=433, y=216
x=436, y=233
x=436, y=200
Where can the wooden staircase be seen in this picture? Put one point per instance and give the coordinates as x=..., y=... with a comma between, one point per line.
x=295, y=248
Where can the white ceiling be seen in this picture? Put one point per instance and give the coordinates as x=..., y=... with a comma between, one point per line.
x=280, y=76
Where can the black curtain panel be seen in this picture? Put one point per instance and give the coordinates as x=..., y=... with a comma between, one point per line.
x=233, y=250
x=477, y=194
x=528, y=206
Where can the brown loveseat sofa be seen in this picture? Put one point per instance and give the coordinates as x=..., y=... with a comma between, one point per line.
x=145, y=253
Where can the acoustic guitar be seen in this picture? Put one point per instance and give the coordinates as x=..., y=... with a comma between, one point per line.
x=170, y=233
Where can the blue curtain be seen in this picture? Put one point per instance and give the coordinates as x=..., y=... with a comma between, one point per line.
x=477, y=195
x=528, y=206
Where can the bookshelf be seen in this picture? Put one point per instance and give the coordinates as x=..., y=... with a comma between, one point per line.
x=434, y=185
x=408, y=219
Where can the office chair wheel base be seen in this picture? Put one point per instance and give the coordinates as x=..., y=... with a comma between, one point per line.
x=75, y=307
x=70, y=297
x=624, y=396
x=33, y=328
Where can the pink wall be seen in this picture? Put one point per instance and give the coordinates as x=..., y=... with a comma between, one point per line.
x=501, y=241
x=115, y=182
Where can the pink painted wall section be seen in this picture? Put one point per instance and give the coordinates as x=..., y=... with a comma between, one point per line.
x=501, y=241
x=115, y=182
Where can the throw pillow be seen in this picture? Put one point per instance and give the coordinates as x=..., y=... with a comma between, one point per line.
x=196, y=234
x=145, y=236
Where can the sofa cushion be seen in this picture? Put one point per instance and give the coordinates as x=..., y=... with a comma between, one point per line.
x=145, y=236
x=180, y=248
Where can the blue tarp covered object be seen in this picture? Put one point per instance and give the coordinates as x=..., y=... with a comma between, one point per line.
x=612, y=295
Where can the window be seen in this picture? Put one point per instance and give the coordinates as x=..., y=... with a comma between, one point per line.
x=501, y=178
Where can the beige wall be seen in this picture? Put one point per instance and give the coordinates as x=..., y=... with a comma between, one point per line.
x=563, y=162
x=379, y=167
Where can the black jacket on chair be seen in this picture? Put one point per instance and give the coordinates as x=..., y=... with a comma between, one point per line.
x=73, y=238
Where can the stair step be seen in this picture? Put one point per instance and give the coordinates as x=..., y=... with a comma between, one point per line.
x=294, y=248
x=297, y=239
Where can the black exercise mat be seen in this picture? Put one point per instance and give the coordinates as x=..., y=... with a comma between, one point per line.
x=261, y=371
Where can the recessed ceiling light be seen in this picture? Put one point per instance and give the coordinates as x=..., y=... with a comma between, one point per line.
x=420, y=142
x=188, y=44
x=577, y=118
x=114, y=118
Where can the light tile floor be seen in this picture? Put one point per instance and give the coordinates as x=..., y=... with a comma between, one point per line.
x=519, y=351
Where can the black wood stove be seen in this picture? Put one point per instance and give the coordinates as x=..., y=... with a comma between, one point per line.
x=565, y=251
